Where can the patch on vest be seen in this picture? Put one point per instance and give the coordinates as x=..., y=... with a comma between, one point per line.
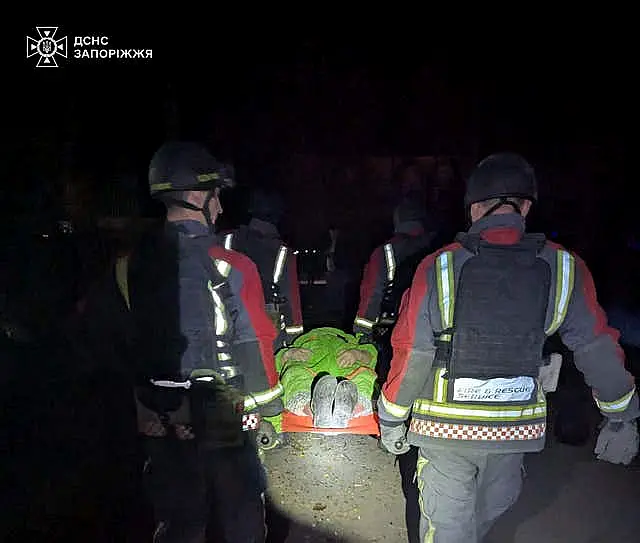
x=250, y=421
x=500, y=390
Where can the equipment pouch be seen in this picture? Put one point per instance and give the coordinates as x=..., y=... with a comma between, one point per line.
x=217, y=413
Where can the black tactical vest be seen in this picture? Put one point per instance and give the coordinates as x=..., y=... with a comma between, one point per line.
x=263, y=251
x=500, y=308
x=169, y=294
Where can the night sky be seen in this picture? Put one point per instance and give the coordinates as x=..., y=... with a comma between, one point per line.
x=389, y=93
x=257, y=98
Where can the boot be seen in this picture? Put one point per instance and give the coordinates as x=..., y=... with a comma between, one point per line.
x=322, y=400
x=344, y=403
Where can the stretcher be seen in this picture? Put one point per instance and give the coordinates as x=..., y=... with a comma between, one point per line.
x=365, y=424
x=289, y=422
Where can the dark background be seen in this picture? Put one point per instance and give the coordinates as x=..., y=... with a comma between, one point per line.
x=258, y=95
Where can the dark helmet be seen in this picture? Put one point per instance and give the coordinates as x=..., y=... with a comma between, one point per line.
x=502, y=175
x=410, y=208
x=183, y=165
x=266, y=205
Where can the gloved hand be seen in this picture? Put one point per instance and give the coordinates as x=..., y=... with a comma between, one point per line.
x=296, y=354
x=266, y=437
x=394, y=438
x=350, y=357
x=618, y=442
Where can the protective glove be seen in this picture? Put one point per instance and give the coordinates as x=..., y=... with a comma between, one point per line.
x=351, y=357
x=394, y=438
x=618, y=442
x=296, y=354
x=266, y=437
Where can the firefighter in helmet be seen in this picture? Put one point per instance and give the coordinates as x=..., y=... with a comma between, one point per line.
x=467, y=351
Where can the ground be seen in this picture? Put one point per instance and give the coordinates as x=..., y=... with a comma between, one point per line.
x=329, y=483
x=345, y=489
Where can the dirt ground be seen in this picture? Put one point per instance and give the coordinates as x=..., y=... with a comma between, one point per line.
x=328, y=483
x=345, y=489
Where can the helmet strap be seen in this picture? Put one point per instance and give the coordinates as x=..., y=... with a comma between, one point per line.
x=504, y=201
x=204, y=209
x=207, y=212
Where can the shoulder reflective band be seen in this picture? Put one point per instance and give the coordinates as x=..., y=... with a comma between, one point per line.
x=390, y=259
x=122, y=273
x=220, y=317
x=564, y=287
x=223, y=267
x=446, y=298
x=228, y=239
x=279, y=267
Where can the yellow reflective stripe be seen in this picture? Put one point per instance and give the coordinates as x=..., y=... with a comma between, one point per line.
x=617, y=405
x=390, y=260
x=440, y=386
x=279, y=267
x=444, y=279
x=219, y=309
x=480, y=412
x=223, y=267
x=564, y=287
x=204, y=177
x=224, y=356
x=393, y=408
x=294, y=329
x=251, y=401
x=366, y=323
x=420, y=465
x=228, y=241
x=122, y=278
x=160, y=186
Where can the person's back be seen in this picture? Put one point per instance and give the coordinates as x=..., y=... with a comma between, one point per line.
x=276, y=263
x=194, y=330
x=468, y=353
x=380, y=273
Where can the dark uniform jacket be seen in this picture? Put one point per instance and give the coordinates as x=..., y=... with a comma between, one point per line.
x=491, y=399
x=181, y=303
x=381, y=268
x=277, y=266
